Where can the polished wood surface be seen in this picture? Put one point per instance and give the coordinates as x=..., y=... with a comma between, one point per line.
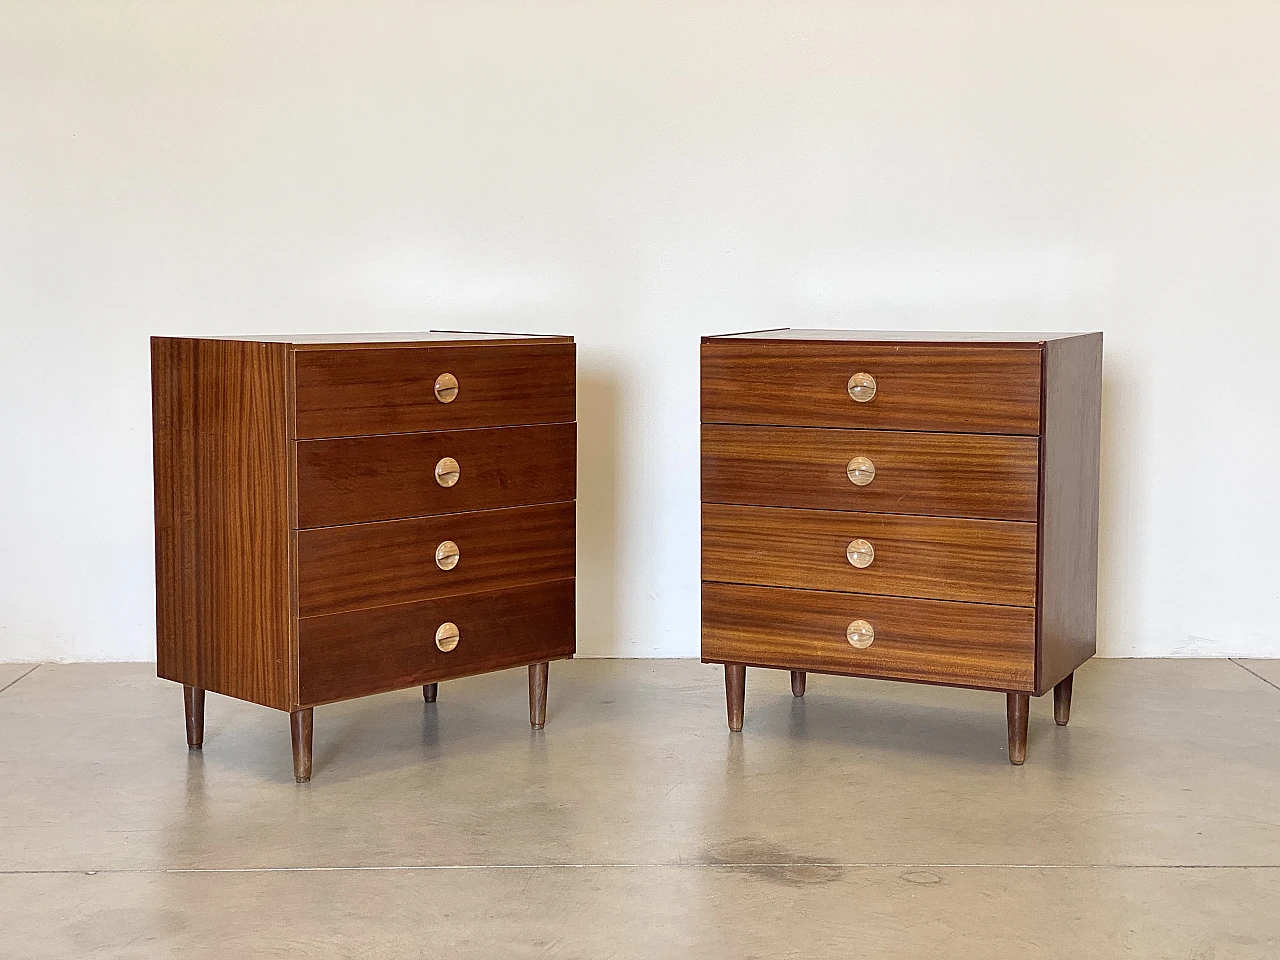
x=290, y=590
x=930, y=474
x=1062, y=701
x=1070, y=469
x=735, y=694
x=1018, y=710
x=193, y=702
x=362, y=479
x=377, y=564
x=962, y=339
x=969, y=556
x=961, y=644
x=390, y=340
x=390, y=648
x=354, y=392
x=978, y=561
x=301, y=724
x=798, y=678
x=538, y=695
x=223, y=499
x=982, y=389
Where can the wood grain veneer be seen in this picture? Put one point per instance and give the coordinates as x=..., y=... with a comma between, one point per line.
x=930, y=474
x=377, y=564
x=389, y=648
x=257, y=437
x=1071, y=463
x=977, y=561
x=933, y=641
x=342, y=393
x=990, y=388
x=362, y=479
x=223, y=494
x=982, y=512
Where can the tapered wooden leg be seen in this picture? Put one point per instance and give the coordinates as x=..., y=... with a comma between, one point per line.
x=735, y=693
x=194, y=702
x=429, y=692
x=797, y=683
x=1062, y=701
x=1018, y=707
x=538, y=694
x=300, y=727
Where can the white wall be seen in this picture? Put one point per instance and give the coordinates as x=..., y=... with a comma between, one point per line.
x=637, y=174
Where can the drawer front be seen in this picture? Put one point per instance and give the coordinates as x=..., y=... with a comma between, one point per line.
x=976, y=561
x=369, y=651
x=378, y=564
x=928, y=474
x=934, y=641
x=346, y=393
x=958, y=388
x=362, y=479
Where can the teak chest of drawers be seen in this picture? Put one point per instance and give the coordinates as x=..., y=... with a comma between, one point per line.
x=341, y=516
x=911, y=506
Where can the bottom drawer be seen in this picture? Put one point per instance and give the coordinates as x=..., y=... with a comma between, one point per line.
x=387, y=648
x=933, y=641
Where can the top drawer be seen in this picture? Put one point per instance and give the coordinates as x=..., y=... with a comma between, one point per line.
x=949, y=388
x=407, y=389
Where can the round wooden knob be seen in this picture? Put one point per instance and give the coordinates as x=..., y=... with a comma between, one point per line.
x=448, y=555
x=448, y=472
x=447, y=637
x=862, y=387
x=860, y=634
x=861, y=471
x=860, y=553
x=446, y=388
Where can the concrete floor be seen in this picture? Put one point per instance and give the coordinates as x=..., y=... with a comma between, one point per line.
x=869, y=819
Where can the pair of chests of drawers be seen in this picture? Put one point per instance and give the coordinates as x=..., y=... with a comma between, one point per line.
x=871, y=508
x=435, y=513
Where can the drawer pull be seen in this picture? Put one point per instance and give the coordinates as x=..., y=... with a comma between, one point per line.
x=448, y=472
x=447, y=637
x=447, y=388
x=861, y=471
x=862, y=387
x=448, y=555
x=860, y=553
x=860, y=634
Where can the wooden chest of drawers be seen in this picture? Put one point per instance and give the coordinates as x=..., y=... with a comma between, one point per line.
x=911, y=506
x=341, y=516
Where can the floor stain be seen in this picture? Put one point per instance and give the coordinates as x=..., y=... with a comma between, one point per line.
x=769, y=861
x=922, y=877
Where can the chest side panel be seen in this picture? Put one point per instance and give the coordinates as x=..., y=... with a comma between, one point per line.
x=223, y=524
x=1071, y=445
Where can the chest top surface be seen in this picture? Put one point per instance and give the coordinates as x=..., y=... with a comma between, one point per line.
x=989, y=338
x=396, y=338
